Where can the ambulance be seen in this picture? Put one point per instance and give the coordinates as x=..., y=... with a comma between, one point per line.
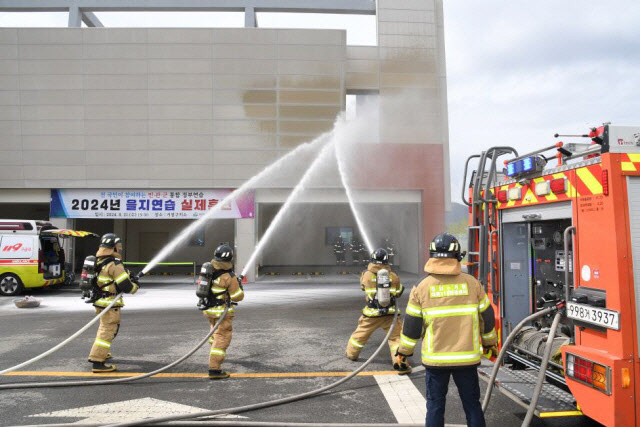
x=31, y=255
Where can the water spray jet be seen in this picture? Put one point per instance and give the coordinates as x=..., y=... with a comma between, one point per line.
x=354, y=209
x=324, y=153
x=171, y=246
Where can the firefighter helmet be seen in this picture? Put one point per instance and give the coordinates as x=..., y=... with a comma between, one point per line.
x=380, y=256
x=445, y=245
x=223, y=253
x=109, y=240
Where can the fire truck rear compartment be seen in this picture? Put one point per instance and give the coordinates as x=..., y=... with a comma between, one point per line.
x=533, y=271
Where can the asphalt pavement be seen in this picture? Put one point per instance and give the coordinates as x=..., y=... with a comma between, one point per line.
x=288, y=337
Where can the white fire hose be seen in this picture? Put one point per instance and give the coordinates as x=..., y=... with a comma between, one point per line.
x=545, y=359
x=269, y=403
x=118, y=380
x=65, y=342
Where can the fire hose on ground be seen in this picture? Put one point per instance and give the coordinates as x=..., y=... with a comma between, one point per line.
x=119, y=380
x=65, y=342
x=543, y=367
x=269, y=403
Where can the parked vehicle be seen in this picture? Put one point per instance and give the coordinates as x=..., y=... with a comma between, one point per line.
x=31, y=255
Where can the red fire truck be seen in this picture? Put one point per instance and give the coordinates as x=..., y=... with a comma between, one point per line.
x=563, y=224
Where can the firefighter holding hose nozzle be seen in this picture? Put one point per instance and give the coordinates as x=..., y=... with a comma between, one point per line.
x=458, y=320
x=108, y=278
x=218, y=286
x=382, y=287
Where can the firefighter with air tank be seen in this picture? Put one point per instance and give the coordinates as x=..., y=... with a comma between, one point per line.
x=381, y=287
x=103, y=278
x=452, y=315
x=217, y=288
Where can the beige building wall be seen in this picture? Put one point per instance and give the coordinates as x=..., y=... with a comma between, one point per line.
x=205, y=108
x=160, y=108
x=407, y=68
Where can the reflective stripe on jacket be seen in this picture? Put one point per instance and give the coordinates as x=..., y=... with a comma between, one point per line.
x=110, y=277
x=451, y=313
x=369, y=284
x=224, y=285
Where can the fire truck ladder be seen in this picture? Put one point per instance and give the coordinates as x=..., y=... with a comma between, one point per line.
x=483, y=211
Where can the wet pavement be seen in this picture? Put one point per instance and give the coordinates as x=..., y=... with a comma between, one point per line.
x=288, y=337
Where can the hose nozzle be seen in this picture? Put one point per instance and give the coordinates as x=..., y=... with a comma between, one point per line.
x=139, y=276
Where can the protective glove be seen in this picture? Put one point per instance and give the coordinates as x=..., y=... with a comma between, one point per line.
x=400, y=363
x=490, y=351
x=135, y=282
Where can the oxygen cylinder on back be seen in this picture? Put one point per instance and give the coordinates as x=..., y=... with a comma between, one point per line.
x=88, y=277
x=383, y=288
x=204, y=280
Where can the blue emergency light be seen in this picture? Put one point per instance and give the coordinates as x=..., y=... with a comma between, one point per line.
x=526, y=165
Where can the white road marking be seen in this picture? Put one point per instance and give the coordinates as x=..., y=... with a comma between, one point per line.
x=129, y=410
x=404, y=399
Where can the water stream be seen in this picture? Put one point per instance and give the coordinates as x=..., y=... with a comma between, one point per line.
x=347, y=188
x=299, y=188
x=252, y=182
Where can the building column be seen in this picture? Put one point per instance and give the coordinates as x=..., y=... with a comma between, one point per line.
x=245, y=242
x=75, y=17
x=250, y=20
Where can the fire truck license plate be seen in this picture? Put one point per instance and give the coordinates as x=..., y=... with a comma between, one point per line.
x=595, y=315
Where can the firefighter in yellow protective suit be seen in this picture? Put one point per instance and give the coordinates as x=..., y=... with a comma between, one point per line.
x=112, y=279
x=382, y=287
x=224, y=288
x=452, y=315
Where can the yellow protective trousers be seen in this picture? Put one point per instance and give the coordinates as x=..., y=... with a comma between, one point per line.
x=220, y=340
x=107, y=331
x=366, y=326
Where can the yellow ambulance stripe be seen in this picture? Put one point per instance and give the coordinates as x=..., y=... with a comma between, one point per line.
x=635, y=158
x=628, y=167
x=589, y=180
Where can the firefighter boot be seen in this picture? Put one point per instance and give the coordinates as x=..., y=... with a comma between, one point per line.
x=101, y=367
x=217, y=374
x=353, y=357
x=401, y=364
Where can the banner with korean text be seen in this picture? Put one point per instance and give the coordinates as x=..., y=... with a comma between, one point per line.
x=148, y=204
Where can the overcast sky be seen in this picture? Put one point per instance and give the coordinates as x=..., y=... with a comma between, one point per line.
x=517, y=71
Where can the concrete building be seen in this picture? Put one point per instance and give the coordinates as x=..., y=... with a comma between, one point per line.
x=106, y=113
